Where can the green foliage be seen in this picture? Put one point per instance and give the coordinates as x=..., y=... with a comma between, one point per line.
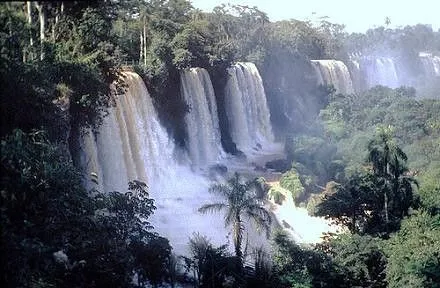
x=296, y=266
x=79, y=54
x=361, y=259
x=289, y=266
x=353, y=204
x=373, y=202
x=152, y=260
x=314, y=157
x=291, y=181
x=414, y=253
x=239, y=201
x=388, y=163
x=54, y=233
x=278, y=197
x=402, y=40
x=430, y=190
x=413, y=122
x=14, y=31
x=210, y=266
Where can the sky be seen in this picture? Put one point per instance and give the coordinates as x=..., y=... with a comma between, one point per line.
x=357, y=15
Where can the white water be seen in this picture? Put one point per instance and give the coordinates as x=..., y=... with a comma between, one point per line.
x=355, y=73
x=246, y=108
x=431, y=64
x=333, y=72
x=297, y=222
x=202, y=123
x=379, y=71
x=132, y=144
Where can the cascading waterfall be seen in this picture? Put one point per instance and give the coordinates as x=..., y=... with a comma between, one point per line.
x=379, y=71
x=333, y=72
x=246, y=108
x=431, y=64
x=130, y=140
x=132, y=145
x=355, y=73
x=202, y=122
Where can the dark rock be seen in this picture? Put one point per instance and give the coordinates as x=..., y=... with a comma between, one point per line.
x=218, y=169
x=280, y=165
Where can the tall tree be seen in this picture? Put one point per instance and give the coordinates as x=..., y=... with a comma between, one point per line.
x=388, y=160
x=29, y=19
x=240, y=201
x=41, y=7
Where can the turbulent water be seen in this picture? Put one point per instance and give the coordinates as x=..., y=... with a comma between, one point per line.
x=333, y=72
x=246, y=108
x=132, y=144
x=202, y=123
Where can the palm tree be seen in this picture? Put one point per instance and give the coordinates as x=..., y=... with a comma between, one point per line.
x=240, y=202
x=388, y=161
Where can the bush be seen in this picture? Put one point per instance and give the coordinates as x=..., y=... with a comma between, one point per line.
x=277, y=196
x=292, y=182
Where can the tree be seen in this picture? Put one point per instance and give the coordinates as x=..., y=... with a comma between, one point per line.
x=360, y=258
x=352, y=203
x=414, y=253
x=302, y=267
x=210, y=265
x=53, y=232
x=152, y=260
x=388, y=160
x=240, y=201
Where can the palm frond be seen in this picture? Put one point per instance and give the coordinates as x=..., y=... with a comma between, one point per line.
x=213, y=207
x=221, y=190
x=260, y=216
x=229, y=217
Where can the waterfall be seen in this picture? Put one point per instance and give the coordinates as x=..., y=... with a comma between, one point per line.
x=333, y=72
x=355, y=73
x=431, y=64
x=132, y=145
x=246, y=108
x=379, y=71
x=202, y=120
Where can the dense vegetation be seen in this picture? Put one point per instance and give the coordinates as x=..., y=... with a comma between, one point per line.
x=368, y=161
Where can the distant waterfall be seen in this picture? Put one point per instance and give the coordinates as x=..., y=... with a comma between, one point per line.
x=333, y=72
x=379, y=71
x=202, y=120
x=431, y=64
x=246, y=107
x=355, y=73
x=132, y=145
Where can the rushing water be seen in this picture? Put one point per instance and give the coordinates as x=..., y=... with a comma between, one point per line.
x=379, y=71
x=202, y=123
x=132, y=144
x=431, y=64
x=246, y=108
x=333, y=72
